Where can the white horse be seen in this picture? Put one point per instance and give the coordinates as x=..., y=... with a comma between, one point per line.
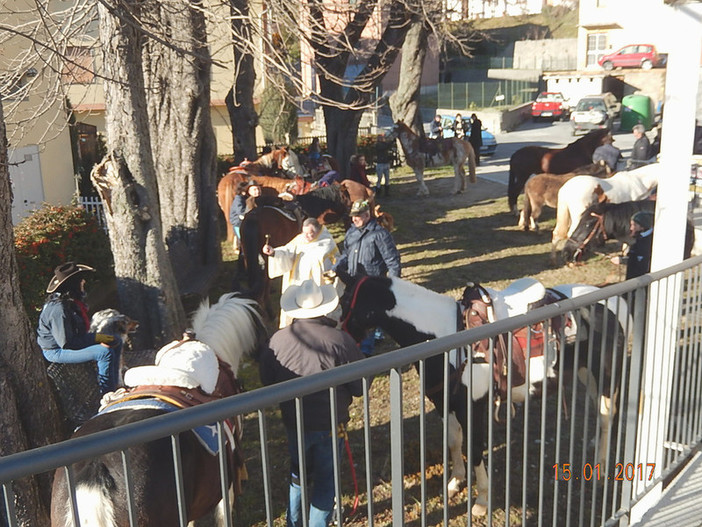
x=577, y=194
x=421, y=153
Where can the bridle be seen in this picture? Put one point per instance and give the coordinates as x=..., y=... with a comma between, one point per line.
x=596, y=228
x=354, y=298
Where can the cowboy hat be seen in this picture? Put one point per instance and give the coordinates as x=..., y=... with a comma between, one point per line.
x=309, y=300
x=63, y=272
x=359, y=207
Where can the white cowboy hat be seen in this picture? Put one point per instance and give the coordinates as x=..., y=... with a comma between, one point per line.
x=309, y=300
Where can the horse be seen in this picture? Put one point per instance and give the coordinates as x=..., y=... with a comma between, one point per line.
x=270, y=186
x=609, y=221
x=327, y=204
x=421, y=153
x=538, y=159
x=400, y=308
x=226, y=332
x=542, y=189
x=357, y=191
x=281, y=162
x=577, y=194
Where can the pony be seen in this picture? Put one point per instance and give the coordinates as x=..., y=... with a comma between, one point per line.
x=400, y=308
x=270, y=186
x=577, y=194
x=280, y=162
x=542, y=189
x=608, y=221
x=421, y=153
x=226, y=331
x=538, y=159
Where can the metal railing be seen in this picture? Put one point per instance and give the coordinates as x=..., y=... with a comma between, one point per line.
x=94, y=206
x=468, y=95
x=543, y=465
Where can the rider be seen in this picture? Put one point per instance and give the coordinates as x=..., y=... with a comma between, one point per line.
x=63, y=331
x=435, y=129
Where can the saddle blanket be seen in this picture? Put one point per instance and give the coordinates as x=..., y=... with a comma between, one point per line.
x=206, y=434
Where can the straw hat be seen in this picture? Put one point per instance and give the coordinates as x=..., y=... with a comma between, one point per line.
x=309, y=300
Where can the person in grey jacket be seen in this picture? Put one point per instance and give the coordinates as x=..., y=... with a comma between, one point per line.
x=368, y=248
x=63, y=327
x=311, y=344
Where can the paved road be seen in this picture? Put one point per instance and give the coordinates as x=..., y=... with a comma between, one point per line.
x=551, y=135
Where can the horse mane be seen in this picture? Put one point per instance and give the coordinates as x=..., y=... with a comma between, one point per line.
x=592, y=140
x=232, y=327
x=320, y=199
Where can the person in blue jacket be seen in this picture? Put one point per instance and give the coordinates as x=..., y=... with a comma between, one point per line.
x=63, y=331
x=369, y=250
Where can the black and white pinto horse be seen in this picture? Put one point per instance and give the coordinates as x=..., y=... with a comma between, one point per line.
x=225, y=332
x=611, y=221
x=402, y=309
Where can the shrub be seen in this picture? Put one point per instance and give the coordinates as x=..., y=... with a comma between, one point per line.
x=53, y=235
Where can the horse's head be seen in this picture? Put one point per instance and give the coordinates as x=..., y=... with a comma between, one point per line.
x=590, y=230
x=365, y=303
x=290, y=163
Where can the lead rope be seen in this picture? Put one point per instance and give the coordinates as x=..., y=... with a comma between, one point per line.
x=342, y=433
x=345, y=322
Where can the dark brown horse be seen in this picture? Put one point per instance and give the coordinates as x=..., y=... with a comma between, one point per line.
x=538, y=159
x=225, y=332
x=542, y=190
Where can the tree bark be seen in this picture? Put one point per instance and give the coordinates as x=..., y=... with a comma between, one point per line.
x=126, y=180
x=240, y=99
x=182, y=139
x=404, y=103
x=29, y=415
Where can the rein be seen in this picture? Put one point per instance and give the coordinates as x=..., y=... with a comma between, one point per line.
x=599, y=226
x=354, y=298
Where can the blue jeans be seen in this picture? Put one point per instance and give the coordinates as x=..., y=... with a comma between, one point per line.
x=107, y=361
x=319, y=461
x=382, y=169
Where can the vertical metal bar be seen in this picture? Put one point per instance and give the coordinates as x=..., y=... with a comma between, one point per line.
x=445, y=430
x=302, y=462
x=224, y=474
x=490, y=420
x=397, y=448
x=423, y=444
x=508, y=431
x=335, y=454
x=368, y=449
x=265, y=467
x=586, y=412
x=9, y=496
x=632, y=410
x=71, y=482
x=555, y=521
x=129, y=486
x=525, y=441
x=696, y=351
x=178, y=472
x=542, y=446
x=577, y=321
x=469, y=433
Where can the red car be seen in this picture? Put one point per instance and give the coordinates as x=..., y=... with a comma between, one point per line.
x=550, y=105
x=642, y=56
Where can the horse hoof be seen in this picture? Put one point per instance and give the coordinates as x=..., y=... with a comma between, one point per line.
x=478, y=509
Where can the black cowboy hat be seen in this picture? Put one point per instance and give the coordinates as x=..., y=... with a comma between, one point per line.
x=63, y=272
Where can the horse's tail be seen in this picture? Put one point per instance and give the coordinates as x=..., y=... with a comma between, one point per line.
x=512, y=186
x=471, y=165
x=525, y=215
x=560, y=231
x=94, y=499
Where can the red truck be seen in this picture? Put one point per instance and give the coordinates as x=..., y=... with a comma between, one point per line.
x=549, y=105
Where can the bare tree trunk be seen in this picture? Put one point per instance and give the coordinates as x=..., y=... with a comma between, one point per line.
x=342, y=130
x=29, y=415
x=182, y=139
x=240, y=98
x=126, y=180
x=404, y=103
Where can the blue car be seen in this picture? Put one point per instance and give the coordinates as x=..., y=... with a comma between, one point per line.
x=489, y=141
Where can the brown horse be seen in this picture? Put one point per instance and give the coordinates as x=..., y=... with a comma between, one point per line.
x=421, y=153
x=282, y=162
x=538, y=160
x=356, y=191
x=542, y=189
x=225, y=332
x=270, y=186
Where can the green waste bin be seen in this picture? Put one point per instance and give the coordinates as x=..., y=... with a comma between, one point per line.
x=636, y=109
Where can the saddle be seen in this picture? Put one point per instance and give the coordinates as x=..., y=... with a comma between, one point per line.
x=481, y=306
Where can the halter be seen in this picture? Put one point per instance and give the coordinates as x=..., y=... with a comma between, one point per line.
x=599, y=226
x=344, y=323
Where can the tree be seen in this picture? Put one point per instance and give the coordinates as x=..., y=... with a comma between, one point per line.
x=29, y=416
x=126, y=180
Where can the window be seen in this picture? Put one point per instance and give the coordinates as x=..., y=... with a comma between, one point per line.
x=596, y=46
x=78, y=66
